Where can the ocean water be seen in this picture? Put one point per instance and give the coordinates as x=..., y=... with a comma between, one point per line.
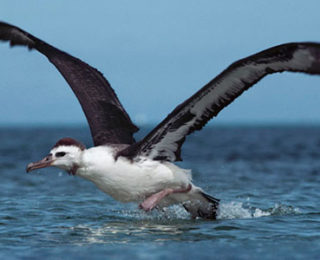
x=266, y=177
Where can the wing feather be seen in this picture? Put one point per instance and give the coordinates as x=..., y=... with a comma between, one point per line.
x=164, y=141
x=108, y=121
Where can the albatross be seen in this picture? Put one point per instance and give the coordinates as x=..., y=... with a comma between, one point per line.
x=144, y=171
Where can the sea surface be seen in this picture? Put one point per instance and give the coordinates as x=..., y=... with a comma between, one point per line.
x=267, y=178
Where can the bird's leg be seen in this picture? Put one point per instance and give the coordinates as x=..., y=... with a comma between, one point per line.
x=152, y=201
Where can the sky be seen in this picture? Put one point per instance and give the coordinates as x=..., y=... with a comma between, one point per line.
x=156, y=54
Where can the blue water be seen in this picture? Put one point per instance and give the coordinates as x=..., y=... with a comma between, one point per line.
x=266, y=177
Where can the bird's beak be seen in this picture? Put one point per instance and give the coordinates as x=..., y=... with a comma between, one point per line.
x=45, y=162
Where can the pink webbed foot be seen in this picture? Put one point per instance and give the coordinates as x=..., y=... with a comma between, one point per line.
x=152, y=201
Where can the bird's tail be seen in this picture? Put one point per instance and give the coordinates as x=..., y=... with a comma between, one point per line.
x=201, y=204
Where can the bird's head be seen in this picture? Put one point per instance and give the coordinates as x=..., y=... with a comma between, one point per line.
x=65, y=154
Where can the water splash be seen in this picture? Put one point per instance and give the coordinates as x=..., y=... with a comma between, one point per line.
x=168, y=213
x=234, y=209
x=282, y=210
x=227, y=210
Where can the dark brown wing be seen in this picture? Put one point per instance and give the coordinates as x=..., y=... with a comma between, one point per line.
x=108, y=121
x=165, y=141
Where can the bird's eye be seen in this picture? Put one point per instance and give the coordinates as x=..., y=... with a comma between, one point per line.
x=60, y=154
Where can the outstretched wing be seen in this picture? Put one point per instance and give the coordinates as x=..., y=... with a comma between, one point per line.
x=165, y=141
x=108, y=121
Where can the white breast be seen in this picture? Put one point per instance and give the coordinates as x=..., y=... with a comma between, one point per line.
x=129, y=181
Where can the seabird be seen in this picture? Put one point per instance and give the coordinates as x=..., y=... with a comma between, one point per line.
x=144, y=171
